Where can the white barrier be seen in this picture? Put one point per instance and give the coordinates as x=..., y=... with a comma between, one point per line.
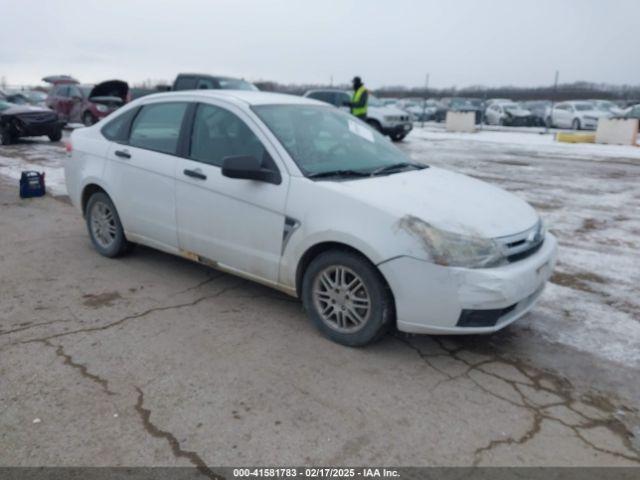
x=461, y=122
x=617, y=131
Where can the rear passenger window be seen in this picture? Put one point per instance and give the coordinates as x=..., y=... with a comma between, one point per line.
x=218, y=133
x=117, y=130
x=157, y=127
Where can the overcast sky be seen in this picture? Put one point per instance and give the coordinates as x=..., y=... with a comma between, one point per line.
x=387, y=42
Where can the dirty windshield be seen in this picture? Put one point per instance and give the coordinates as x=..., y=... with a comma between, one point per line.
x=322, y=140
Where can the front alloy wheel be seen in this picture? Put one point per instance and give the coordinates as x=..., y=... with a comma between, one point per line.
x=347, y=298
x=341, y=298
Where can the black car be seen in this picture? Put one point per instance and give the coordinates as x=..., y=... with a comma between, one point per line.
x=198, y=81
x=27, y=121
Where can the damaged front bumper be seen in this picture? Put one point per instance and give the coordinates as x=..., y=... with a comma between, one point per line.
x=435, y=299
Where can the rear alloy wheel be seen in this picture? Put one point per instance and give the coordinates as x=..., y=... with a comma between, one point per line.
x=105, y=229
x=88, y=119
x=346, y=298
x=575, y=124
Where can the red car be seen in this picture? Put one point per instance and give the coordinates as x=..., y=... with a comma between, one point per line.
x=76, y=103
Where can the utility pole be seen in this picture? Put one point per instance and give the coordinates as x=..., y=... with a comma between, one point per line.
x=331, y=80
x=553, y=100
x=424, y=99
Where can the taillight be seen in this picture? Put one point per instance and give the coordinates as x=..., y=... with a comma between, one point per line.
x=68, y=147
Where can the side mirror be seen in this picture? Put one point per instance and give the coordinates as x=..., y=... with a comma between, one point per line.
x=249, y=167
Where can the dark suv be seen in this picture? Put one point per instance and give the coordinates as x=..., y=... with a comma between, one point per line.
x=196, y=81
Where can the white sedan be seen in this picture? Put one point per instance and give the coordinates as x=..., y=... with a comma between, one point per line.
x=304, y=198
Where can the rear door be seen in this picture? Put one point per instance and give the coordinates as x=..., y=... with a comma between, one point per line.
x=236, y=223
x=141, y=173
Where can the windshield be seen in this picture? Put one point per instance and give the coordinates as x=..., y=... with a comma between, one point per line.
x=510, y=106
x=584, y=106
x=36, y=96
x=4, y=105
x=324, y=139
x=235, y=84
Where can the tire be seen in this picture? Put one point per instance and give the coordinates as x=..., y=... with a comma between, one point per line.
x=5, y=137
x=104, y=226
x=88, y=119
x=397, y=137
x=56, y=135
x=375, y=124
x=575, y=124
x=355, y=316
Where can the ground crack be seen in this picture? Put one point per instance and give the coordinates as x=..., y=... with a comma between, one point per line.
x=131, y=317
x=559, y=387
x=68, y=360
x=178, y=451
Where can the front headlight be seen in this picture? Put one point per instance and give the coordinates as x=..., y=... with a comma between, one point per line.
x=102, y=108
x=452, y=249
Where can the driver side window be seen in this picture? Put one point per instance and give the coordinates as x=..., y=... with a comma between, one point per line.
x=217, y=133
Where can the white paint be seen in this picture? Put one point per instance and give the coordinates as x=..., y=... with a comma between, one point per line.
x=461, y=122
x=617, y=131
x=238, y=224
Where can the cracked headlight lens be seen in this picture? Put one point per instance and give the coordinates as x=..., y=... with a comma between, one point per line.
x=453, y=249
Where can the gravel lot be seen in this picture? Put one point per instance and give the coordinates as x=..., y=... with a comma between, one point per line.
x=153, y=360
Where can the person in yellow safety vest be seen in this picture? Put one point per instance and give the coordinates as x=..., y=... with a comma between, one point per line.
x=360, y=99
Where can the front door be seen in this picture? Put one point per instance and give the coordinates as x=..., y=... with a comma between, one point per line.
x=235, y=223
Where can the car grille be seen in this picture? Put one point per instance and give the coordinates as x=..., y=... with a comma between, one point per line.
x=522, y=245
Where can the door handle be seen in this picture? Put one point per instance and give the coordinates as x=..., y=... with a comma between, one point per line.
x=122, y=154
x=195, y=174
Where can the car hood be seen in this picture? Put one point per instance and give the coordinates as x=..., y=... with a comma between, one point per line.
x=18, y=109
x=387, y=110
x=518, y=112
x=110, y=89
x=447, y=200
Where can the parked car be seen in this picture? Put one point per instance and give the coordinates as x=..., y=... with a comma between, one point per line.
x=632, y=112
x=199, y=81
x=576, y=115
x=308, y=200
x=18, y=121
x=388, y=120
x=16, y=98
x=540, y=109
x=607, y=106
x=35, y=97
x=510, y=114
x=491, y=101
x=457, y=104
x=87, y=104
x=419, y=109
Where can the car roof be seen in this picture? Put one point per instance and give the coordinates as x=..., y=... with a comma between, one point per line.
x=242, y=97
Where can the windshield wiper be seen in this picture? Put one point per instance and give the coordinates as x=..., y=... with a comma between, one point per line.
x=338, y=173
x=395, y=166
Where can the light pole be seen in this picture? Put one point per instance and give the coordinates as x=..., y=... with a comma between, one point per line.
x=555, y=92
x=424, y=99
